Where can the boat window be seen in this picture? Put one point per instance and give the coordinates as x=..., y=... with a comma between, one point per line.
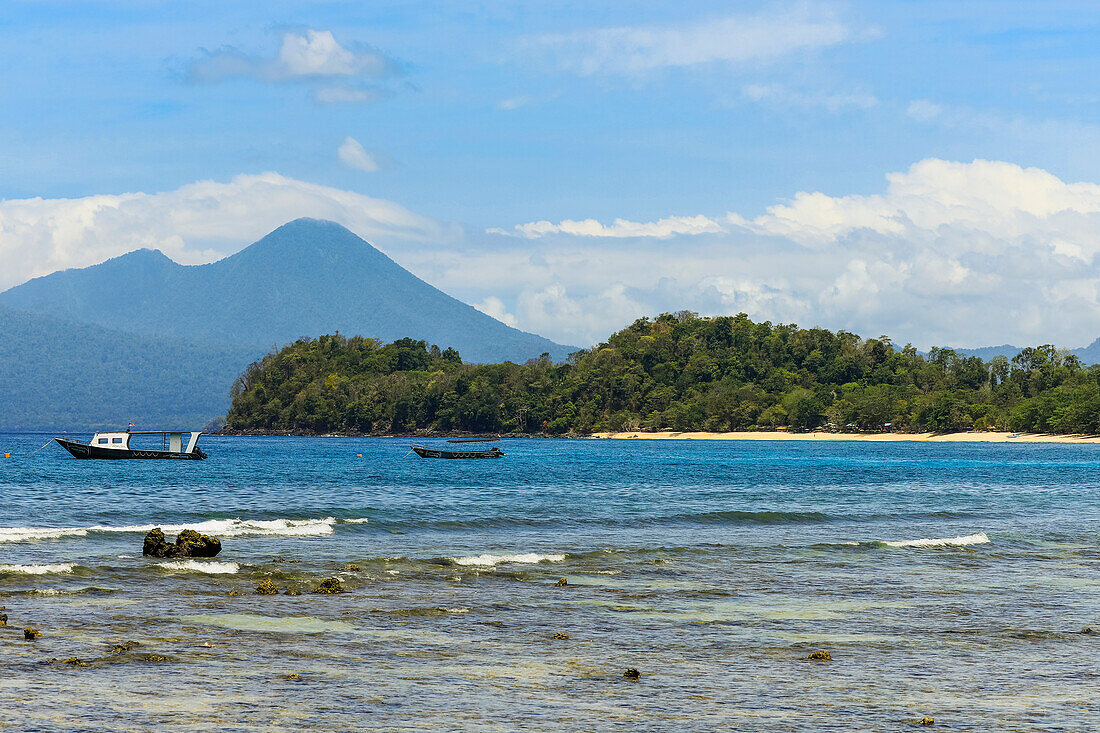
x=102, y=440
x=116, y=440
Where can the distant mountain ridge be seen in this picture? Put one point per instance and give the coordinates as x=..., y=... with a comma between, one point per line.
x=140, y=337
x=1087, y=354
x=306, y=278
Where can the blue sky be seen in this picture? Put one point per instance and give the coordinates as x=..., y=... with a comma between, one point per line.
x=471, y=119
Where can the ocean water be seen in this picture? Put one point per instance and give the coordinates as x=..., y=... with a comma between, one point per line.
x=945, y=580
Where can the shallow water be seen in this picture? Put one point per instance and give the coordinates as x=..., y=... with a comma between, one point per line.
x=713, y=568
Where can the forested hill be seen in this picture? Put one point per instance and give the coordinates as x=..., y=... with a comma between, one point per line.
x=677, y=372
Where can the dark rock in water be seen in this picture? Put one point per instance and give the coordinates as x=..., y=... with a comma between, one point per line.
x=561, y=583
x=155, y=544
x=1086, y=630
x=124, y=647
x=156, y=658
x=31, y=634
x=280, y=558
x=818, y=656
x=292, y=592
x=3, y=619
x=189, y=543
x=292, y=676
x=560, y=635
x=352, y=567
x=72, y=661
x=632, y=674
x=193, y=544
x=926, y=721
x=329, y=585
x=267, y=588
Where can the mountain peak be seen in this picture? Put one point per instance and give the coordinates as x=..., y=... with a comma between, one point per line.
x=305, y=239
x=306, y=278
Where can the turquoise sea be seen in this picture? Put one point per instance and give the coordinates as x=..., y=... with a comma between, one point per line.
x=951, y=581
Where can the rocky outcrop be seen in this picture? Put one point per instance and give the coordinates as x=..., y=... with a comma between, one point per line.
x=329, y=585
x=267, y=587
x=189, y=543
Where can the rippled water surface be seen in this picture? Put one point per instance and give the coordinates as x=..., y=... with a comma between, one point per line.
x=945, y=580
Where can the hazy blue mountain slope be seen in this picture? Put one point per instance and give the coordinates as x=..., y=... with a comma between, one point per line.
x=1088, y=354
x=57, y=374
x=306, y=278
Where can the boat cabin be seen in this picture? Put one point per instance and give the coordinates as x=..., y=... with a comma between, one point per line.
x=170, y=441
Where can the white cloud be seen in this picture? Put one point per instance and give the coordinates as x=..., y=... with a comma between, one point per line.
x=312, y=54
x=934, y=198
x=619, y=229
x=494, y=308
x=196, y=223
x=947, y=253
x=353, y=155
x=733, y=39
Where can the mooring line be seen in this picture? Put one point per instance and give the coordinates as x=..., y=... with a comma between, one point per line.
x=47, y=443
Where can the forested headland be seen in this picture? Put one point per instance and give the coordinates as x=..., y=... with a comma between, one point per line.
x=675, y=372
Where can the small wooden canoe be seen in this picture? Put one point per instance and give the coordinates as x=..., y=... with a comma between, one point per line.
x=426, y=452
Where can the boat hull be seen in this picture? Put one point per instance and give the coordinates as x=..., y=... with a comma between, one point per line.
x=424, y=452
x=83, y=450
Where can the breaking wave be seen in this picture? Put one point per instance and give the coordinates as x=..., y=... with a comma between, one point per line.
x=65, y=567
x=215, y=527
x=23, y=534
x=198, y=566
x=978, y=538
x=529, y=558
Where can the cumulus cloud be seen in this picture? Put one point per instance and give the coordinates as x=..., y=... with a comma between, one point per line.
x=494, y=308
x=732, y=39
x=619, y=229
x=196, y=223
x=992, y=200
x=353, y=155
x=313, y=54
x=948, y=253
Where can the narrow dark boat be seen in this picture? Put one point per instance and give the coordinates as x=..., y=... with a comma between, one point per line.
x=115, y=446
x=425, y=452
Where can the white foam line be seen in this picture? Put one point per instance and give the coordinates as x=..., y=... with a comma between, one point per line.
x=197, y=566
x=978, y=538
x=66, y=567
x=529, y=558
x=215, y=527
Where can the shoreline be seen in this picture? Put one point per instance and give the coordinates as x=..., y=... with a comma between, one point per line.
x=965, y=437
x=974, y=437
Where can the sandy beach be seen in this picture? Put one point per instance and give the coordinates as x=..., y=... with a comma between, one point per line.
x=971, y=437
